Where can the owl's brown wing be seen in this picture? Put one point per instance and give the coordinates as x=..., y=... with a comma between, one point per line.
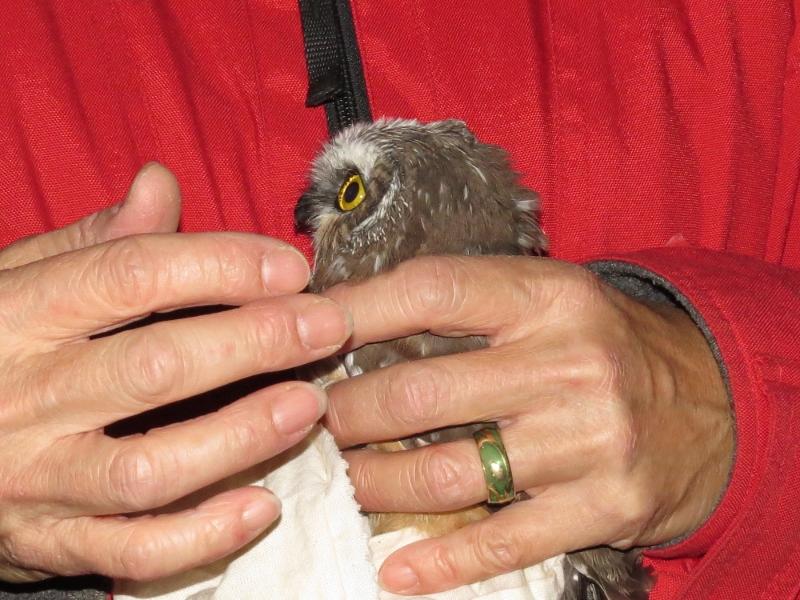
x=605, y=574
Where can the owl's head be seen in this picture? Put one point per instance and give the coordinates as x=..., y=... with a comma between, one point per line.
x=383, y=192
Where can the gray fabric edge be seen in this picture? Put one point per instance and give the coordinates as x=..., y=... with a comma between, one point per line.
x=643, y=284
x=88, y=587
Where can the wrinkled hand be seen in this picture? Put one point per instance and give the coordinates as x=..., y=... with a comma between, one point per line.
x=613, y=413
x=64, y=484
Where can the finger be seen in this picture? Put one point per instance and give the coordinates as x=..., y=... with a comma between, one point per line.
x=101, y=475
x=72, y=295
x=146, y=548
x=437, y=478
x=521, y=535
x=452, y=296
x=445, y=477
x=134, y=371
x=409, y=398
x=153, y=205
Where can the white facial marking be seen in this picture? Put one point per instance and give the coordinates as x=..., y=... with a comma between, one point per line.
x=353, y=370
x=525, y=204
x=383, y=206
x=349, y=150
x=478, y=171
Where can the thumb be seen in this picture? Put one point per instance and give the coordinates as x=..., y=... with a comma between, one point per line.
x=152, y=205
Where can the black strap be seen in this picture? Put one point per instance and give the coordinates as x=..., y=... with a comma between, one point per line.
x=335, y=75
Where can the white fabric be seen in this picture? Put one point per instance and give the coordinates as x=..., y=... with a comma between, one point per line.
x=321, y=548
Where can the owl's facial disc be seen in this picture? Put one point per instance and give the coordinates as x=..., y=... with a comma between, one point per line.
x=371, y=227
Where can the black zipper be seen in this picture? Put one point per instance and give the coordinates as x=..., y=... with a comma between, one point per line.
x=335, y=74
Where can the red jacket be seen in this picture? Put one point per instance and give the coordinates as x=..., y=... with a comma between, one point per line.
x=665, y=134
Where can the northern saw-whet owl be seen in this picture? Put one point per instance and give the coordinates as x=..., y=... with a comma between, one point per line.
x=384, y=192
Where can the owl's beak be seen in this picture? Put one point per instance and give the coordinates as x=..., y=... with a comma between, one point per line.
x=303, y=213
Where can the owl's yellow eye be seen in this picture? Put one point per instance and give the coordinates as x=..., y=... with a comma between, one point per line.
x=352, y=193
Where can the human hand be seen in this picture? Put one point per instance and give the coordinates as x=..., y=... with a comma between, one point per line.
x=67, y=490
x=613, y=413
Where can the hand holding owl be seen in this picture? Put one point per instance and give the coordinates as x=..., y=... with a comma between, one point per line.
x=613, y=413
x=63, y=477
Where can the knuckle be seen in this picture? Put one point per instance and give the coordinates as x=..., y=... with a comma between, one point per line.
x=248, y=438
x=135, y=479
x=365, y=483
x=22, y=560
x=25, y=485
x=585, y=283
x=150, y=366
x=627, y=507
x=431, y=285
x=581, y=292
x=222, y=530
x=603, y=367
x=13, y=255
x=84, y=233
x=446, y=563
x=128, y=273
x=333, y=419
x=16, y=294
x=233, y=266
x=138, y=559
x=639, y=508
x=28, y=395
x=444, y=478
x=270, y=335
x=621, y=441
x=614, y=445
x=417, y=395
x=496, y=550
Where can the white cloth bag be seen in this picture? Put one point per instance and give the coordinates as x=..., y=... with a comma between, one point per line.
x=321, y=546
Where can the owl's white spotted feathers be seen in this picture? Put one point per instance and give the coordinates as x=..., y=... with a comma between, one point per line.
x=429, y=189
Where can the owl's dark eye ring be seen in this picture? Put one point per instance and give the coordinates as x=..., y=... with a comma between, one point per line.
x=352, y=193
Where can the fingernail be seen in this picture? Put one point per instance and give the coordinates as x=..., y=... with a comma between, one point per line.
x=323, y=324
x=285, y=270
x=260, y=512
x=399, y=578
x=298, y=409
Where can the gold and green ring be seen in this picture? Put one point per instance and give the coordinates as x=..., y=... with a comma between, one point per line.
x=496, y=468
